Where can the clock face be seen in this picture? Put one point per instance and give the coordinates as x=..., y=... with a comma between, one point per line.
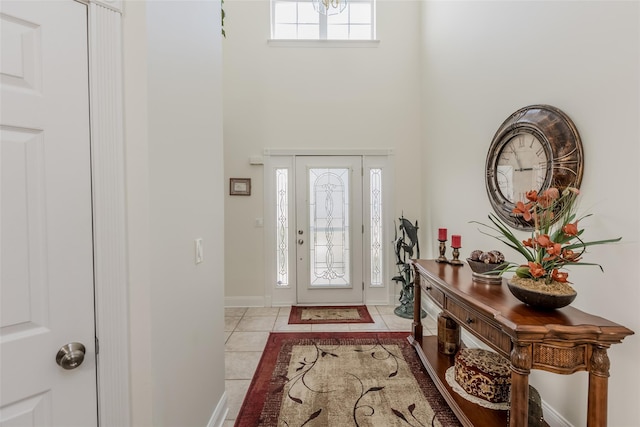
x=535, y=148
x=521, y=166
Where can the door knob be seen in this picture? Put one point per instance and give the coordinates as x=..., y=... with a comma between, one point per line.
x=71, y=355
x=300, y=241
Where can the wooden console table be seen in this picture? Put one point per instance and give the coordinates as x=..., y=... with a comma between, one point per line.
x=562, y=341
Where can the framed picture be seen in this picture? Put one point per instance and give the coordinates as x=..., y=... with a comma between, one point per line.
x=240, y=186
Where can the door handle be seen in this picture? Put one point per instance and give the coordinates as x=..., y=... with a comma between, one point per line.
x=71, y=355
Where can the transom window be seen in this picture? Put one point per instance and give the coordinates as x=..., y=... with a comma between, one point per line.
x=298, y=20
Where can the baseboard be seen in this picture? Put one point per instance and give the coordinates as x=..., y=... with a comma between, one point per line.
x=376, y=302
x=429, y=306
x=220, y=412
x=262, y=302
x=553, y=418
x=244, y=302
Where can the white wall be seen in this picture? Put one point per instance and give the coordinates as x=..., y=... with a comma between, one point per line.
x=173, y=103
x=439, y=84
x=313, y=97
x=482, y=60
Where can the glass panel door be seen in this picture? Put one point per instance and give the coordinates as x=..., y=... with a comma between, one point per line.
x=329, y=229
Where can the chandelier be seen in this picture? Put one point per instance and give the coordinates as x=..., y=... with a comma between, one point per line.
x=329, y=7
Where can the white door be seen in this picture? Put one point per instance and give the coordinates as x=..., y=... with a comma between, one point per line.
x=329, y=227
x=46, y=266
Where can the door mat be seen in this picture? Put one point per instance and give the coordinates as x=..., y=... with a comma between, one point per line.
x=327, y=314
x=342, y=380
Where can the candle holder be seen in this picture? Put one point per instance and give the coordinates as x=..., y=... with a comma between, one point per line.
x=455, y=260
x=443, y=249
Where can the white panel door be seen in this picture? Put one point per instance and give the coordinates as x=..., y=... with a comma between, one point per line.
x=329, y=229
x=46, y=255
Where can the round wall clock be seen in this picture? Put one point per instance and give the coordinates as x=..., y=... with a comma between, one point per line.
x=535, y=148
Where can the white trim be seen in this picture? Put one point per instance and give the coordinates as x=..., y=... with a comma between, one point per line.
x=327, y=152
x=323, y=43
x=107, y=172
x=220, y=412
x=553, y=417
x=114, y=5
x=245, y=302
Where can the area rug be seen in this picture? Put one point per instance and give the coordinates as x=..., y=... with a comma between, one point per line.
x=333, y=314
x=326, y=379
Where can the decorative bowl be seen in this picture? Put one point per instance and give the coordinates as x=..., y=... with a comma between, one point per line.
x=482, y=267
x=540, y=300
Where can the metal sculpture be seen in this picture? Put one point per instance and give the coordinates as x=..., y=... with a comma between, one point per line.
x=405, y=246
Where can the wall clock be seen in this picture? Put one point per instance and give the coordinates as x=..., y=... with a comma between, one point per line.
x=535, y=148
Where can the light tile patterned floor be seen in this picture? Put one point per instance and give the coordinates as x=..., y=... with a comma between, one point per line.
x=247, y=330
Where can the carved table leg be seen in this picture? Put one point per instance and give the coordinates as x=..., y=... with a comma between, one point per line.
x=598, y=388
x=416, y=326
x=520, y=368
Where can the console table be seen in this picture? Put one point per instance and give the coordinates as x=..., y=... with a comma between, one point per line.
x=562, y=341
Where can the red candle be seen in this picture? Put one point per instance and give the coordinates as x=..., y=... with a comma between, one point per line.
x=455, y=241
x=442, y=234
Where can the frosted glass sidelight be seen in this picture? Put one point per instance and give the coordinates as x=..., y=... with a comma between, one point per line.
x=375, y=210
x=282, y=227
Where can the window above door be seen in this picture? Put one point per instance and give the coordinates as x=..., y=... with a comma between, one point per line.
x=298, y=20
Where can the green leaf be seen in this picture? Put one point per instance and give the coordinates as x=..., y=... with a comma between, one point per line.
x=595, y=242
x=515, y=242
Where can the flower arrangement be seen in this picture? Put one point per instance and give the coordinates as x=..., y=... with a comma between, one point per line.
x=553, y=245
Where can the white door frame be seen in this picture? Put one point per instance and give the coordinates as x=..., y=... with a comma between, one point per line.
x=109, y=215
x=273, y=159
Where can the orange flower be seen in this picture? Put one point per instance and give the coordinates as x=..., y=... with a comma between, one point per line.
x=571, y=229
x=544, y=240
x=548, y=196
x=559, y=276
x=532, y=195
x=570, y=256
x=522, y=209
x=552, y=193
x=547, y=248
x=554, y=250
x=536, y=270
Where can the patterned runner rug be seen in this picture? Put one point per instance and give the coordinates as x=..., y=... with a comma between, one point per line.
x=328, y=379
x=334, y=314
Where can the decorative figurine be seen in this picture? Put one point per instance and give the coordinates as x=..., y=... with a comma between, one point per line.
x=404, y=248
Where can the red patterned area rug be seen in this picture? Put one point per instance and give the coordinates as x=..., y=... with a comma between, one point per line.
x=333, y=314
x=326, y=379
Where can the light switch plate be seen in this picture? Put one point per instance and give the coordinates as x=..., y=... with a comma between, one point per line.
x=199, y=251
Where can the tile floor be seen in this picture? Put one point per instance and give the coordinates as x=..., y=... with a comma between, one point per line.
x=247, y=329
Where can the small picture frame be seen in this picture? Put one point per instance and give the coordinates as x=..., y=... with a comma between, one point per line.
x=240, y=186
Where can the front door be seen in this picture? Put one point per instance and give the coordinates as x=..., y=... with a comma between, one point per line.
x=46, y=257
x=329, y=230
